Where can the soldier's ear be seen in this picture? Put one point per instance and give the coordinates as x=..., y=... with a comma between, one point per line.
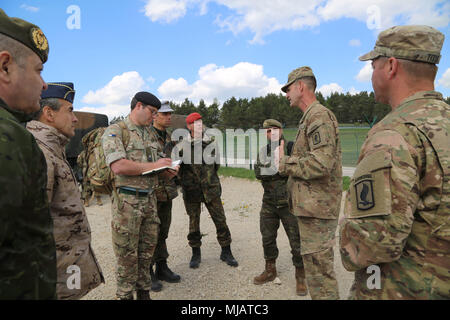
x=48, y=114
x=5, y=66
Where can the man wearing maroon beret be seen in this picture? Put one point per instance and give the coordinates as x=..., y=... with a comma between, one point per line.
x=200, y=183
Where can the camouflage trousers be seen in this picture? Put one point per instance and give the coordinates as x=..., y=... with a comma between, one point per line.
x=165, y=216
x=135, y=228
x=317, y=238
x=217, y=213
x=269, y=223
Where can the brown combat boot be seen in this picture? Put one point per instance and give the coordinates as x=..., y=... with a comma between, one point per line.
x=269, y=274
x=300, y=279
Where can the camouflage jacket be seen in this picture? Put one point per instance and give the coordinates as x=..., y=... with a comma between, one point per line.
x=200, y=182
x=71, y=227
x=315, y=166
x=397, y=208
x=27, y=246
x=142, y=147
x=274, y=184
x=166, y=189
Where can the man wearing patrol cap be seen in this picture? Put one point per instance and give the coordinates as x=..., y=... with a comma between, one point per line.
x=27, y=245
x=315, y=183
x=275, y=209
x=53, y=126
x=397, y=207
x=130, y=150
x=165, y=193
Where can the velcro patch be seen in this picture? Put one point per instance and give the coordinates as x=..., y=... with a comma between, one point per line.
x=364, y=195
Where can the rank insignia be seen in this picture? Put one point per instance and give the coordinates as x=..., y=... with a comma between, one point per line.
x=364, y=195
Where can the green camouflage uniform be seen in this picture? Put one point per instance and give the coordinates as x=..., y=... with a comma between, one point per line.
x=200, y=183
x=135, y=222
x=315, y=190
x=397, y=208
x=165, y=192
x=275, y=208
x=27, y=245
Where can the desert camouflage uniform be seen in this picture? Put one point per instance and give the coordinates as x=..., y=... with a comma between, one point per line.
x=27, y=245
x=397, y=208
x=165, y=192
x=135, y=222
x=200, y=183
x=71, y=228
x=315, y=190
x=275, y=208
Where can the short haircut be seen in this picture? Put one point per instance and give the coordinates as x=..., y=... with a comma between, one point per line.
x=310, y=82
x=53, y=103
x=134, y=102
x=419, y=70
x=18, y=51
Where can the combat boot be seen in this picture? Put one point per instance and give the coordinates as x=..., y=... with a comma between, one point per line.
x=227, y=256
x=99, y=200
x=196, y=258
x=156, y=284
x=300, y=280
x=269, y=274
x=143, y=295
x=163, y=273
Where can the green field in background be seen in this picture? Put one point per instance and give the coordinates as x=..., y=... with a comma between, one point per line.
x=351, y=142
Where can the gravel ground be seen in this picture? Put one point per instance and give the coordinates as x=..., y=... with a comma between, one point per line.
x=213, y=280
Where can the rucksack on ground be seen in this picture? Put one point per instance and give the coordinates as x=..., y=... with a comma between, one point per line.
x=92, y=159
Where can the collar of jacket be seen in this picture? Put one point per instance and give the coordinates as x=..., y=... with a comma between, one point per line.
x=311, y=106
x=19, y=115
x=49, y=136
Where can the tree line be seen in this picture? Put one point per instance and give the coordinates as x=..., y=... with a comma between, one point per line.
x=350, y=109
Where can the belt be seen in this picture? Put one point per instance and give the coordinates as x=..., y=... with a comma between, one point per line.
x=133, y=191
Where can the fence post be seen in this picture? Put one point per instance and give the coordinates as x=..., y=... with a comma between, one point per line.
x=250, y=149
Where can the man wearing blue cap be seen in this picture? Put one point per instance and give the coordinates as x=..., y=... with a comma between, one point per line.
x=54, y=124
x=27, y=246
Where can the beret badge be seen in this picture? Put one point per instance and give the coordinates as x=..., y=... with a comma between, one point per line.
x=39, y=39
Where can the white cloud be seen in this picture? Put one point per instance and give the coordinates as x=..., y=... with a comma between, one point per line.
x=354, y=43
x=111, y=110
x=353, y=91
x=119, y=90
x=365, y=74
x=29, y=8
x=328, y=89
x=264, y=17
x=445, y=80
x=243, y=80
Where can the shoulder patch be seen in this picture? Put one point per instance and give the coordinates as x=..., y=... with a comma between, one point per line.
x=364, y=195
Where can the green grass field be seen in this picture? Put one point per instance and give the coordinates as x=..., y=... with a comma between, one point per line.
x=351, y=142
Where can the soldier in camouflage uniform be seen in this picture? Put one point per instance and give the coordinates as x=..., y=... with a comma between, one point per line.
x=54, y=127
x=200, y=183
x=135, y=222
x=27, y=245
x=397, y=208
x=275, y=208
x=165, y=193
x=315, y=183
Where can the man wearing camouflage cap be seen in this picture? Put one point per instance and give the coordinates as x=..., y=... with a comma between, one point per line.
x=315, y=183
x=53, y=127
x=275, y=209
x=396, y=232
x=27, y=245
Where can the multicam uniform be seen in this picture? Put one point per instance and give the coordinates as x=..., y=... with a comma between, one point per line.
x=27, y=245
x=315, y=190
x=135, y=222
x=275, y=208
x=71, y=228
x=165, y=192
x=200, y=183
x=397, y=208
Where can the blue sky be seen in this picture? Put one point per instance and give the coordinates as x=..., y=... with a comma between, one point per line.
x=207, y=49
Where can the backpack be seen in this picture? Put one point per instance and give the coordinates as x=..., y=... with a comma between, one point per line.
x=92, y=159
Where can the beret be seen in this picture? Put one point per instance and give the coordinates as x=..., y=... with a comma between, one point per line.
x=270, y=123
x=297, y=74
x=148, y=99
x=61, y=90
x=26, y=33
x=193, y=117
x=413, y=42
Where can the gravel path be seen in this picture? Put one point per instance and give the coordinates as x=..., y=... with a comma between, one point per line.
x=213, y=280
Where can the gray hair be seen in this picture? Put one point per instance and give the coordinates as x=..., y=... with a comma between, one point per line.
x=18, y=51
x=53, y=103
